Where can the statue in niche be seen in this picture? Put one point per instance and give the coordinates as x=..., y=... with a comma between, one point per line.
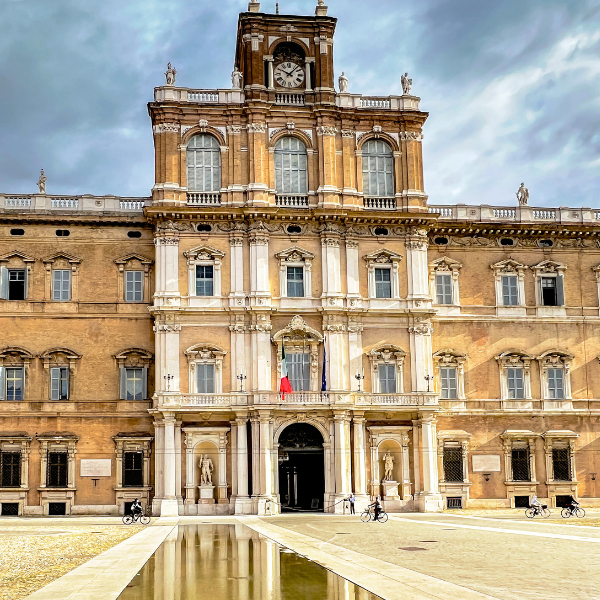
x=42, y=182
x=523, y=195
x=206, y=469
x=236, y=79
x=406, y=84
x=170, y=74
x=389, y=467
x=343, y=82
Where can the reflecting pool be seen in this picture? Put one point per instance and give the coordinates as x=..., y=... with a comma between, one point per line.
x=233, y=562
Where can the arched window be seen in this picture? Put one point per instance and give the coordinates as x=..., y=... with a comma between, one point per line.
x=203, y=159
x=378, y=169
x=290, y=166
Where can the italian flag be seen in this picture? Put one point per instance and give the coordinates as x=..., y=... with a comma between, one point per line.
x=285, y=387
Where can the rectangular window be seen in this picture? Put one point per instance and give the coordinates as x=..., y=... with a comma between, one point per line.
x=515, y=383
x=134, y=387
x=10, y=469
x=556, y=389
x=561, y=464
x=15, y=383
x=204, y=280
x=510, y=290
x=17, y=285
x=133, y=286
x=205, y=374
x=443, y=286
x=295, y=282
x=387, y=379
x=448, y=381
x=57, y=469
x=520, y=464
x=453, y=464
x=133, y=469
x=61, y=285
x=299, y=371
x=59, y=383
x=383, y=283
x=552, y=291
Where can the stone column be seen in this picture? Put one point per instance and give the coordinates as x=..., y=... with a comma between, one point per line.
x=222, y=481
x=269, y=60
x=406, y=483
x=242, y=500
x=266, y=503
x=360, y=462
x=168, y=505
x=307, y=62
x=255, y=424
x=416, y=438
x=375, y=477
x=430, y=499
x=190, y=479
x=342, y=458
x=417, y=270
x=421, y=360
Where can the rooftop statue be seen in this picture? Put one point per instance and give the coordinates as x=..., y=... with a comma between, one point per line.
x=406, y=84
x=523, y=195
x=343, y=81
x=236, y=79
x=42, y=182
x=170, y=74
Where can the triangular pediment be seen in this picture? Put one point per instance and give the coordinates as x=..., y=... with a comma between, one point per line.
x=16, y=253
x=383, y=255
x=508, y=266
x=295, y=254
x=204, y=253
x=68, y=257
x=134, y=256
x=548, y=266
x=445, y=263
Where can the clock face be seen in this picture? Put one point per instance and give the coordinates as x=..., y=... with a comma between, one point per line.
x=289, y=74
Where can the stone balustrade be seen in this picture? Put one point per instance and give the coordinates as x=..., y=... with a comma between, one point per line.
x=377, y=102
x=85, y=203
x=180, y=94
x=519, y=214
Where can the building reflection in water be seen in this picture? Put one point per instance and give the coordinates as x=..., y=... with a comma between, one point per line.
x=233, y=562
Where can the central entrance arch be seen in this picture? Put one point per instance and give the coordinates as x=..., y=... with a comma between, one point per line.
x=301, y=468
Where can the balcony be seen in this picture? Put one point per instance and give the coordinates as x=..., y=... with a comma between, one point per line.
x=380, y=203
x=204, y=199
x=71, y=204
x=180, y=94
x=289, y=98
x=377, y=102
x=291, y=201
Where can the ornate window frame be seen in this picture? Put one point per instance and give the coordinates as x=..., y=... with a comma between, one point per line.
x=132, y=442
x=513, y=268
x=448, y=358
x=299, y=336
x=134, y=358
x=127, y=263
x=515, y=359
x=385, y=354
x=204, y=256
x=205, y=353
x=515, y=439
x=17, y=442
x=15, y=357
x=560, y=438
x=64, y=262
x=454, y=439
x=556, y=359
x=56, y=358
x=295, y=257
x=549, y=268
x=445, y=266
x=15, y=260
x=388, y=259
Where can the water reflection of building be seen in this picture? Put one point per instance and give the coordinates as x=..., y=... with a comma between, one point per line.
x=233, y=562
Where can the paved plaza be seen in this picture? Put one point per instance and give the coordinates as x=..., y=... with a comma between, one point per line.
x=463, y=556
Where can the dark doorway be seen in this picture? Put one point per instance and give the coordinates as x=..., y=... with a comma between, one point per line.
x=301, y=468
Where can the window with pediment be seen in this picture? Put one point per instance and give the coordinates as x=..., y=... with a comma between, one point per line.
x=295, y=265
x=15, y=271
x=59, y=373
x=559, y=447
x=509, y=277
x=449, y=368
x=204, y=271
x=443, y=281
x=134, y=278
x=555, y=371
x=387, y=376
x=14, y=364
x=134, y=364
x=515, y=375
x=549, y=277
x=519, y=455
x=61, y=281
x=205, y=368
x=383, y=268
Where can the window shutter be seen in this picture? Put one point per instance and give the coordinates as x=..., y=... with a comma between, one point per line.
x=2, y=383
x=144, y=383
x=4, y=283
x=25, y=293
x=560, y=293
x=56, y=284
x=123, y=383
x=54, y=383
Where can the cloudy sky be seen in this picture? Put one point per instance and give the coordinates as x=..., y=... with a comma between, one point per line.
x=512, y=87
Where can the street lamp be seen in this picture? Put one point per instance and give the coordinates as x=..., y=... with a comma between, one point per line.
x=359, y=377
x=428, y=378
x=241, y=378
x=168, y=378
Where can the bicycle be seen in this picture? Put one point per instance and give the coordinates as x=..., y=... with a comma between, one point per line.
x=368, y=514
x=143, y=518
x=569, y=511
x=542, y=510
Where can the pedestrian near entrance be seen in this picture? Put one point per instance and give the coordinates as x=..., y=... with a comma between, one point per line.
x=351, y=501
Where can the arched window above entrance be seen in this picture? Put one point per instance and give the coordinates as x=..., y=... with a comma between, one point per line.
x=300, y=436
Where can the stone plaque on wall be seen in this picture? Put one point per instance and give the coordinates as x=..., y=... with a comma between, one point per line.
x=486, y=462
x=95, y=467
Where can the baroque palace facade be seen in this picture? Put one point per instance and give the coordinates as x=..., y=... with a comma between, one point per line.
x=440, y=356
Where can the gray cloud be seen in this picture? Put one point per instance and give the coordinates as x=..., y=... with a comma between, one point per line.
x=511, y=87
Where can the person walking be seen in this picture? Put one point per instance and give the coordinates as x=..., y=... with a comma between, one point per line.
x=351, y=501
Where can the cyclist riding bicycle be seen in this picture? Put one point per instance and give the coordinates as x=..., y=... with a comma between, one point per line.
x=377, y=508
x=572, y=503
x=535, y=503
x=136, y=508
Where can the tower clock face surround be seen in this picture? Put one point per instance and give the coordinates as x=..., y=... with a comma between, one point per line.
x=289, y=74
